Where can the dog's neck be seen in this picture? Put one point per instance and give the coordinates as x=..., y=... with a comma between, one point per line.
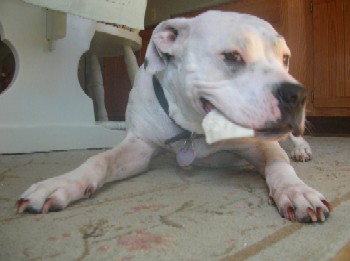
x=185, y=134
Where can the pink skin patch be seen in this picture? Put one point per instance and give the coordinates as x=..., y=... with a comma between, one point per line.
x=276, y=113
x=89, y=191
x=144, y=240
x=267, y=113
x=267, y=110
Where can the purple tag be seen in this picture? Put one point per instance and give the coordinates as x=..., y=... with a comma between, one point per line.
x=185, y=156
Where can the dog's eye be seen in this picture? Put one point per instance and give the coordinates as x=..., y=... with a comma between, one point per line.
x=286, y=60
x=233, y=57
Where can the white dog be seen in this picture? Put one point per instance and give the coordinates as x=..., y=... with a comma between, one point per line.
x=235, y=63
x=301, y=151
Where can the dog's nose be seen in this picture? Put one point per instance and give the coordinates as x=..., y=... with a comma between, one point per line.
x=290, y=95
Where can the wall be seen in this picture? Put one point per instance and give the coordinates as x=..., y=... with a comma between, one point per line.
x=159, y=10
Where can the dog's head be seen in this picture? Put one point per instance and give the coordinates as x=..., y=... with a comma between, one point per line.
x=234, y=62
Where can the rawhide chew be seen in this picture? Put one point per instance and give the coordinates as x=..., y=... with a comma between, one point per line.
x=217, y=127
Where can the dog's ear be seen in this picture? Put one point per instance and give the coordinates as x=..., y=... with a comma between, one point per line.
x=166, y=40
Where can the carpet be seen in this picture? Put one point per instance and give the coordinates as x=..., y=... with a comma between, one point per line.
x=173, y=214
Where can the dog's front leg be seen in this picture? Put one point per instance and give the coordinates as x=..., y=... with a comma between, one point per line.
x=302, y=150
x=131, y=157
x=294, y=199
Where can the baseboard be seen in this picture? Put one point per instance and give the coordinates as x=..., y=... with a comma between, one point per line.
x=328, y=126
x=27, y=139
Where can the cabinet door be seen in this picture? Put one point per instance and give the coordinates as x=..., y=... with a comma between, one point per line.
x=331, y=42
x=117, y=87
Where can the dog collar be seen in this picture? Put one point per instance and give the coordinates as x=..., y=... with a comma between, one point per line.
x=185, y=134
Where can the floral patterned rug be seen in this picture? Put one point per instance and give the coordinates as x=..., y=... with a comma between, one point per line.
x=173, y=214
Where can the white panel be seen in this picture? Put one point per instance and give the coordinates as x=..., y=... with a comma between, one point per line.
x=125, y=12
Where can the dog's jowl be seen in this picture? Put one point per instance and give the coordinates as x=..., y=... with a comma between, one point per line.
x=234, y=63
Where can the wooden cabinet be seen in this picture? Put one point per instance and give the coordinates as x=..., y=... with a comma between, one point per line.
x=292, y=19
x=117, y=87
x=331, y=57
x=318, y=34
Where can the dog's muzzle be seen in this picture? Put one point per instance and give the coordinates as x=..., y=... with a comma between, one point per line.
x=292, y=99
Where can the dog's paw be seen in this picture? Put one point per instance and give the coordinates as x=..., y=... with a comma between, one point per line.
x=301, y=203
x=51, y=195
x=301, y=152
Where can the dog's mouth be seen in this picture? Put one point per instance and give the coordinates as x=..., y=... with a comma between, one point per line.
x=273, y=132
x=206, y=105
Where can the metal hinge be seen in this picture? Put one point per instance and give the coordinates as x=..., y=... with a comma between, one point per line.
x=312, y=96
x=311, y=6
